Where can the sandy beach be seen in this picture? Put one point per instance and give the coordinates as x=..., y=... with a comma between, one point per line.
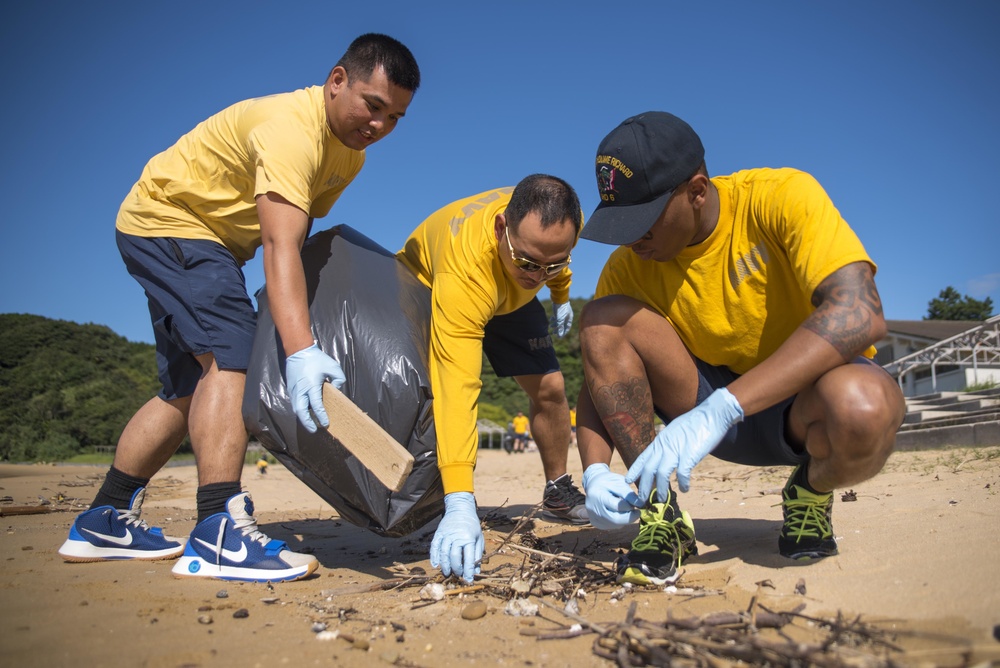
x=919, y=548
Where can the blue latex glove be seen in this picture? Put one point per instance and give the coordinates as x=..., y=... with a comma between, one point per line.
x=562, y=319
x=305, y=373
x=611, y=503
x=458, y=543
x=683, y=443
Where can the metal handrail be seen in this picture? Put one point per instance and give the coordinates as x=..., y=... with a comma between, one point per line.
x=977, y=345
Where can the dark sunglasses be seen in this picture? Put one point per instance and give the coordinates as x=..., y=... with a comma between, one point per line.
x=530, y=266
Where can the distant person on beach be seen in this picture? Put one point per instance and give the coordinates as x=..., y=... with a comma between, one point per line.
x=521, y=426
x=572, y=426
x=253, y=175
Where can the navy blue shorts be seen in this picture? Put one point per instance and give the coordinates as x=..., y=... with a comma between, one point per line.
x=757, y=441
x=198, y=303
x=519, y=343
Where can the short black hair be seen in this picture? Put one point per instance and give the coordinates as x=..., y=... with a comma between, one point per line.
x=373, y=50
x=550, y=197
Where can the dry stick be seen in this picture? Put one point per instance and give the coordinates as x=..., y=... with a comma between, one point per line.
x=724, y=643
x=560, y=556
x=560, y=635
x=577, y=618
x=643, y=646
x=864, y=631
x=362, y=588
x=23, y=510
x=464, y=590
x=506, y=539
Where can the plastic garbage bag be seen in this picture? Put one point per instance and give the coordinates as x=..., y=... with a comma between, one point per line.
x=372, y=315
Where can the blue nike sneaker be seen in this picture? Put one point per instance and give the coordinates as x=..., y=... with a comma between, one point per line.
x=105, y=533
x=229, y=546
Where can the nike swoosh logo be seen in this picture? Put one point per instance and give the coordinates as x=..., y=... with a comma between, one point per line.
x=124, y=541
x=236, y=556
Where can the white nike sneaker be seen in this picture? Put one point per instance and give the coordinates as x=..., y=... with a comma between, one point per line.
x=105, y=533
x=228, y=546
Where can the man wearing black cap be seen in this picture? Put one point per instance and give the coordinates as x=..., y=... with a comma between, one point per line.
x=740, y=309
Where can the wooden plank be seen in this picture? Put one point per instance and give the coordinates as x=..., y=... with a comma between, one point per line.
x=377, y=451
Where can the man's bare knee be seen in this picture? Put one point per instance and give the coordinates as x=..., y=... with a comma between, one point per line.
x=613, y=311
x=603, y=323
x=552, y=390
x=864, y=417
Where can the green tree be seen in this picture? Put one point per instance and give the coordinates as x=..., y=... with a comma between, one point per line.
x=66, y=386
x=950, y=305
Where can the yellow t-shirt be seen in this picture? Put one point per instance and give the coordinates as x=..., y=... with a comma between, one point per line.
x=738, y=295
x=203, y=187
x=521, y=423
x=454, y=252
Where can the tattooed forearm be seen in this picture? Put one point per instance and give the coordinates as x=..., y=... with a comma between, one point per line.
x=848, y=309
x=626, y=409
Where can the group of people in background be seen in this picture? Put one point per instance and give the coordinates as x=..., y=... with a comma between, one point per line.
x=739, y=309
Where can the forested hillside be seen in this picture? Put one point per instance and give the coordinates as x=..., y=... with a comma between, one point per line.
x=65, y=387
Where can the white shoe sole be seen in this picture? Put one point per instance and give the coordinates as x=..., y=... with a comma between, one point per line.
x=196, y=567
x=81, y=550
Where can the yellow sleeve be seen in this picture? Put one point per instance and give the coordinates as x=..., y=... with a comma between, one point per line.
x=817, y=239
x=458, y=317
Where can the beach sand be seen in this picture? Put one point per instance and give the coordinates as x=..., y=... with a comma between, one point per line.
x=919, y=556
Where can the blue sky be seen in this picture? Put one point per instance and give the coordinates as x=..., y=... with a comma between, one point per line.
x=892, y=105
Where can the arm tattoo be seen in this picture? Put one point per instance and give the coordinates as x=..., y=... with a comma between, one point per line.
x=847, y=305
x=626, y=409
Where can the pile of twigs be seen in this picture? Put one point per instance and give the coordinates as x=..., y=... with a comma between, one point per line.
x=540, y=572
x=722, y=638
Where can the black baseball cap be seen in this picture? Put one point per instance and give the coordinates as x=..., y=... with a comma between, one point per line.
x=639, y=165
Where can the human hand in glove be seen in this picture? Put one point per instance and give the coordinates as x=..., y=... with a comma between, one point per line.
x=683, y=443
x=458, y=543
x=562, y=319
x=611, y=503
x=305, y=373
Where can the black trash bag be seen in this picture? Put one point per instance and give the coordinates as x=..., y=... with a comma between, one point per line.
x=372, y=315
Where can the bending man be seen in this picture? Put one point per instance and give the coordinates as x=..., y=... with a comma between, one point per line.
x=485, y=258
x=255, y=174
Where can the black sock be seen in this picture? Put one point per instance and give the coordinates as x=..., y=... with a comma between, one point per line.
x=118, y=489
x=212, y=498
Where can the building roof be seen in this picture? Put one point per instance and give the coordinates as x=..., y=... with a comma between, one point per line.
x=935, y=330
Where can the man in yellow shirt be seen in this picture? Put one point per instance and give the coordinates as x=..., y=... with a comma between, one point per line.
x=742, y=309
x=572, y=426
x=255, y=174
x=521, y=426
x=485, y=259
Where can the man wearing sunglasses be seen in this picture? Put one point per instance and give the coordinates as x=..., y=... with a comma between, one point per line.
x=485, y=259
x=742, y=309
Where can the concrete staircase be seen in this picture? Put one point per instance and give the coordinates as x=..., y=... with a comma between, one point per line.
x=951, y=419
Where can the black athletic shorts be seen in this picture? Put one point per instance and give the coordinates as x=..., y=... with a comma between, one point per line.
x=519, y=343
x=757, y=441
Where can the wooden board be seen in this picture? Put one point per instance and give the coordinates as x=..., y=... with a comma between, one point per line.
x=379, y=452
